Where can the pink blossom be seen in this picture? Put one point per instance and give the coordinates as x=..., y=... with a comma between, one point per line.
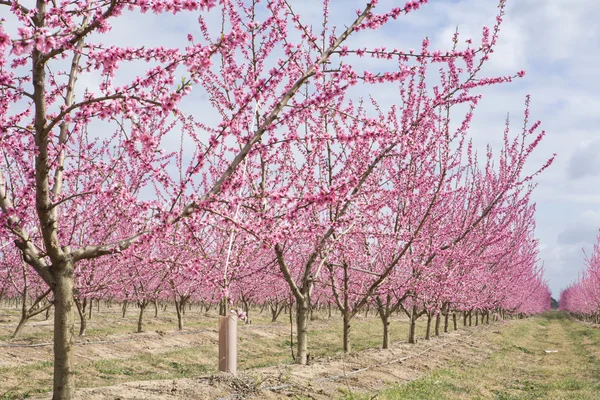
x=4, y=40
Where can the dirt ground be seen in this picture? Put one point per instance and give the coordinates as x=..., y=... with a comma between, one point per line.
x=114, y=363
x=366, y=371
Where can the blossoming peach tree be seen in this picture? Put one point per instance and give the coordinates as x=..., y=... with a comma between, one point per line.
x=82, y=139
x=244, y=146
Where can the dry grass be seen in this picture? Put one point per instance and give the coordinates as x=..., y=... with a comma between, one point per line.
x=161, y=352
x=504, y=362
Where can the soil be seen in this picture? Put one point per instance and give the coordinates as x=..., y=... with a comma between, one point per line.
x=325, y=378
x=112, y=347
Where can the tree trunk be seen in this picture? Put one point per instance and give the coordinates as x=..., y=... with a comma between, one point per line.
x=487, y=318
x=302, y=331
x=124, y=308
x=276, y=311
x=223, y=307
x=476, y=318
x=470, y=318
x=179, y=319
x=64, y=338
x=90, y=310
x=446, y=316
x=346, y=311
x=428, y=332
x=81, y=312
x=454, y=320
x=346, y=331
x=247, y=310
x=24, y=318
x=141, y=317
x=19, y=328
x=438, y=320
x=385, y=320
x=384, y=312
x=413, y=325
x=156, y=310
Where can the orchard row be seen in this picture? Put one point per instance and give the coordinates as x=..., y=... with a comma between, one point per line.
x=245, y=163
x=582, y=299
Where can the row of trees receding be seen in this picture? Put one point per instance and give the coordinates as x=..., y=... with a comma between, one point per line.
x=245, y=163
x=582, y=298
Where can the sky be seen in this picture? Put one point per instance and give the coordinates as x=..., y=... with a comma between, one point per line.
x=557, y=42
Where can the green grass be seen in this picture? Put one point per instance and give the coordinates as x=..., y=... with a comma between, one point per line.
x=25, y=395
x=521, y=370
x=169, y=365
